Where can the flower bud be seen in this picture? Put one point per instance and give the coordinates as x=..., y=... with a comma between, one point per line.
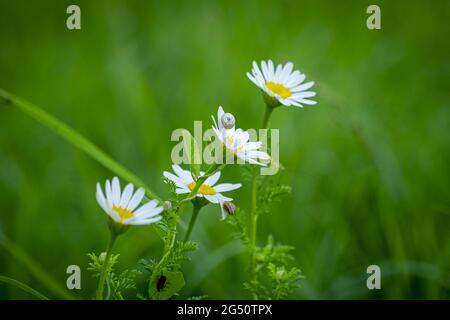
x=229, y=207
x=228, y=120
x=168, y=204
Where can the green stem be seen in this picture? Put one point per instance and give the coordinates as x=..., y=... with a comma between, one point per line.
x=195, y=212
x=101, y=282
x=267, y=114
x=23, y=286
x=254, y=207
x=253, y=224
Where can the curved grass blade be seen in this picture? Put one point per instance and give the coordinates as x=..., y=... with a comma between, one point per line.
x=22, y=286
x=76, y=139
x=35, y=269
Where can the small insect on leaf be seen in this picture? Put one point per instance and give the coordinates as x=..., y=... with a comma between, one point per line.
x=160, y=284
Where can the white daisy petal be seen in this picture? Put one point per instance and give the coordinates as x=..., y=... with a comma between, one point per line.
x=212, y=199
x=252, y=79
x=222, y=210
x=175, y=179
x=126, y=195
x=136, y=199
x=305, y=94
x=305, y=101
x=109, y=197
x=185, y=175
x=115, y=191
x=265, y=70
x=303, y=87
x=227, y=187
x=182, y=191
x=101, y=198
x=211, y=181
x=146, y=207
x=145, y=221
x=114, y=216
x=286, y=71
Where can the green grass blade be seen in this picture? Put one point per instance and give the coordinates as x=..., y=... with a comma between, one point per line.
x=35, y=269
x=22, y=286
x=76, y=139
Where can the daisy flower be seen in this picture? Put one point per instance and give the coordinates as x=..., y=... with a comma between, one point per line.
x=237, y=140
x=282, y=85
x=122, y=206
x=209, y=190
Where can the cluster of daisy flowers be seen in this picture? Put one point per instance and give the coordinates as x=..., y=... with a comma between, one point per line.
x=281, y=85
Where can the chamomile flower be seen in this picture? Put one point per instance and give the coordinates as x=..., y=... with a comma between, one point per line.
x=236, y=140
x=123, y=206
x=282, y=85
x=209, y=190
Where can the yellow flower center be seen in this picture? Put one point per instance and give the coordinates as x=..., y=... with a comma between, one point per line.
x=278, y=89
x=123, y=213
x=204, y=189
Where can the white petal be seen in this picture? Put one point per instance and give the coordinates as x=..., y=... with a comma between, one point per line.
x=286, y=71
x=304, y=94
x=101, y=198
x=295, y=79
x=185, y=175
x=115, y=216
x=222, y=198
x=303, y=87
x=278, y=73
x=256, y=71
x=222, y=210
x=116, y=191
x=212, y=199
x=227, y=187
x=109, y=197
x=144, y=221
x=258, y=155
x=149, y=213
x=182, y=190
x=253, y=145
x=175, y=179
x=309, y=102
x=265, y=69
x=136, y=199
x=252, y=79
x=126, y=195
x=211, y=181
x=146, y=207
x=271, y=71
x=220, y=113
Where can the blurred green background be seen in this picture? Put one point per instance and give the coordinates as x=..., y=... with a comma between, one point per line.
x=369, y=164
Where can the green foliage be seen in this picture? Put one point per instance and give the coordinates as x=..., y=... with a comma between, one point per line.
x=116, y=284
x=97, y=262
x=179, y=254
x=271, y=193
x=165, y=284
x=166, y=278
x=203, y=297
x=275, y=278
x=240, y=221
